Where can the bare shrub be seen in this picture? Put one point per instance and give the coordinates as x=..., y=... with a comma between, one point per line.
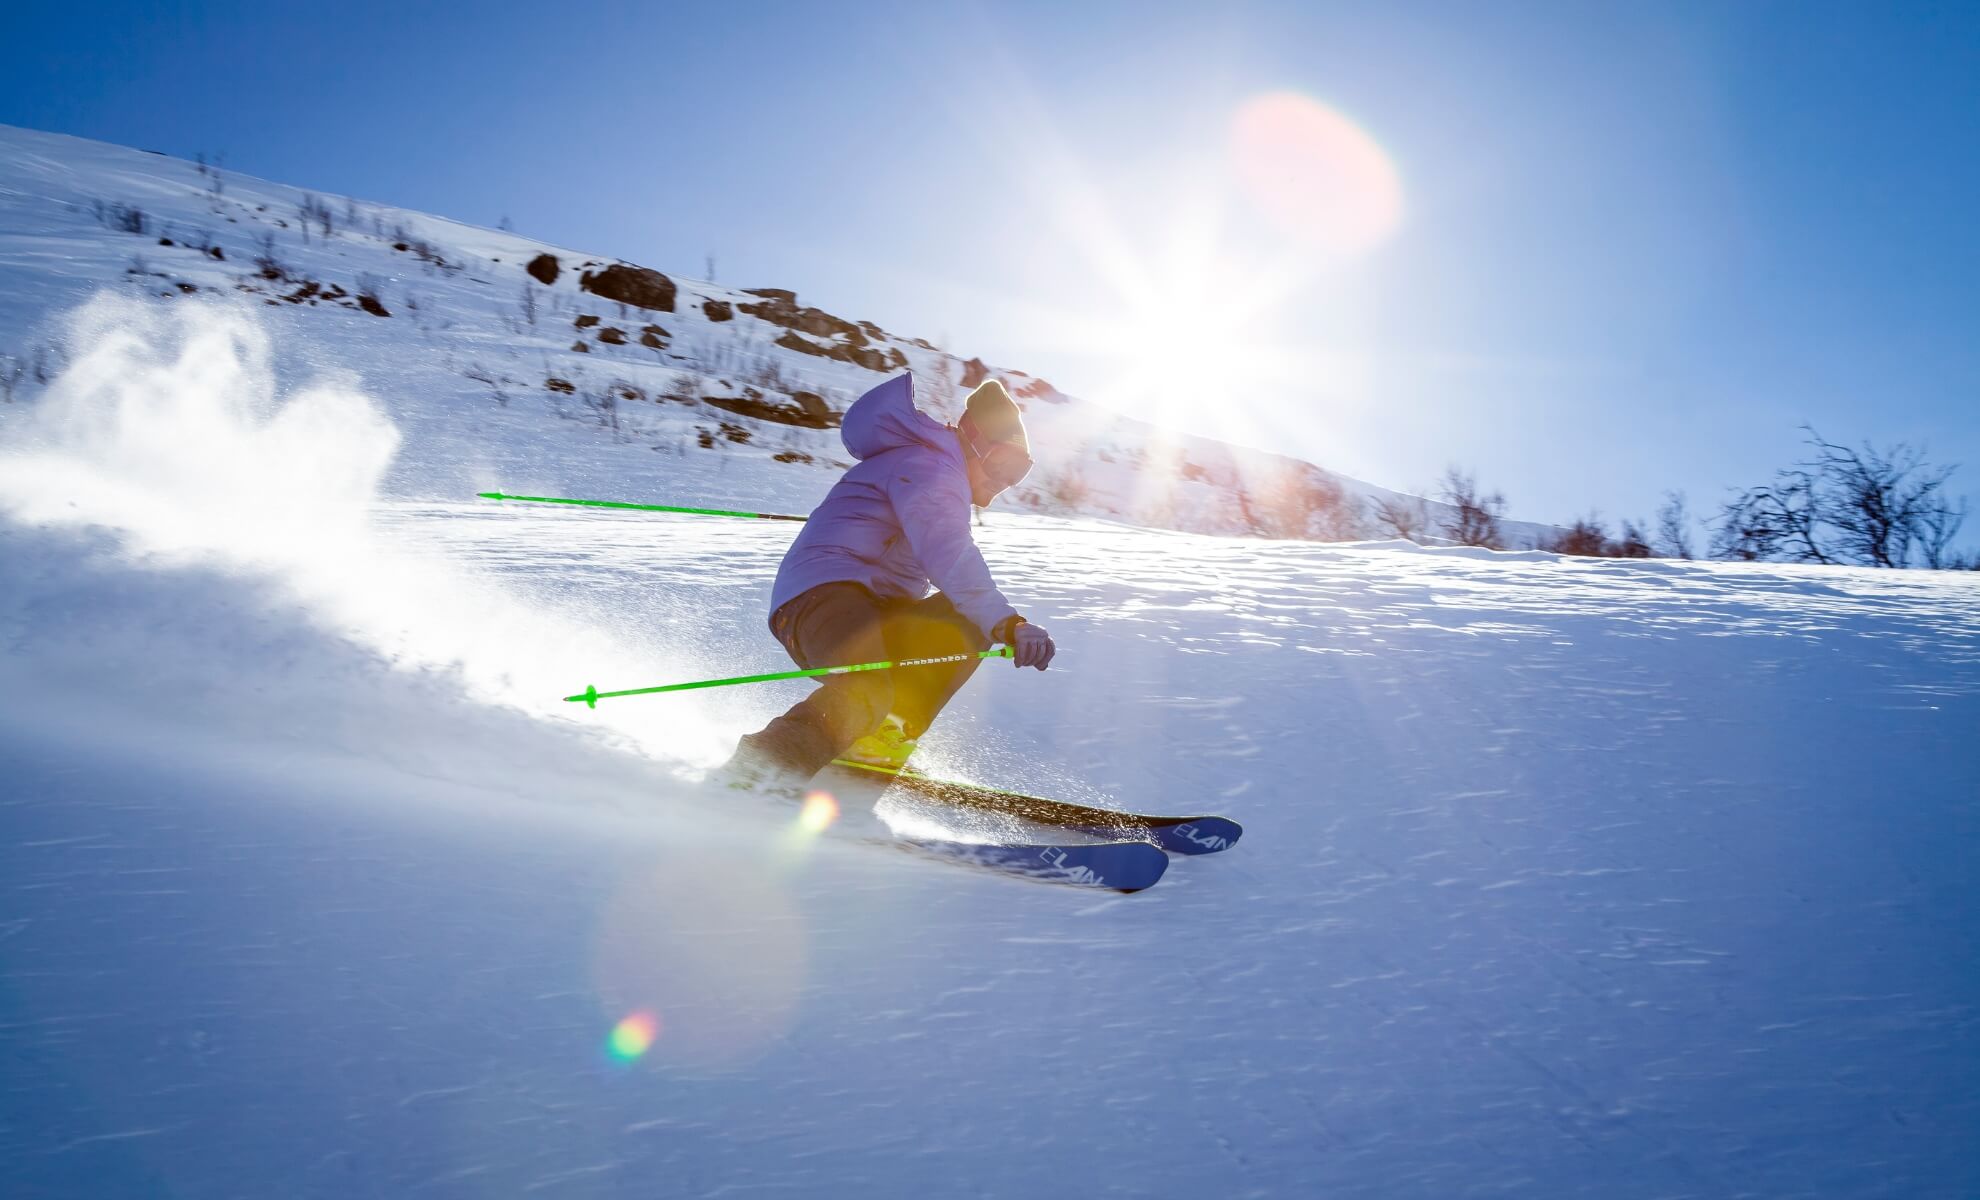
x=314, y=211
x=1585, y=538
x=1868, y=507
x=489, y=379
x=1673, y=527
x=603, y=405
x=370, y=294
x=123, y=218
x=1474, y=517
x=270, y=266
x=1402, y=516
x=208, y=168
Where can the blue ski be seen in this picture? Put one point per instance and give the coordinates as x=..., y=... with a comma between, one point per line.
x=1177, y=835
x=1122, y=866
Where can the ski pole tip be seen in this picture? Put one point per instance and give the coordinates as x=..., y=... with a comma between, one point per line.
x=590, y=696
x=491, y=495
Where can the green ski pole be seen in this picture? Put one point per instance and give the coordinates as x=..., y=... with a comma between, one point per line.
x=591, y=695
x=699, y=512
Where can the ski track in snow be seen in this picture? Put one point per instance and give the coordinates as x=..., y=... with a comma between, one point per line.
x=1560, y=878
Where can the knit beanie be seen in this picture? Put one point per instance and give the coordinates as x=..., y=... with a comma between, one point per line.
x=995, y=416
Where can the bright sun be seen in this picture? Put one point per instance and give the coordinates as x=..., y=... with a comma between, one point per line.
x=1214, y=258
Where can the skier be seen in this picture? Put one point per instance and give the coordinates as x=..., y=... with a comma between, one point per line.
x=854, y=586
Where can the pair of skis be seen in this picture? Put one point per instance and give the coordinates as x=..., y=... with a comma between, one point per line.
x=1134, y=853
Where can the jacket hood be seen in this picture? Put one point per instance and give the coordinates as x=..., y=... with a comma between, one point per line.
x=886, y=419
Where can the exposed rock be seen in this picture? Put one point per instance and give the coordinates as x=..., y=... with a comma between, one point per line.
x=974, y=373
x=580, y=348
x=813, y=405
x=560, y=385
x=641, y=287
x=544, y=269
x=215, y=252
x=611, y=336
x=718, y=310
x=1038, y=389
x=791, y=456
x=753, y=404
x=586, y=321
x=864, y=356
x=780, y=307
x=370, y=304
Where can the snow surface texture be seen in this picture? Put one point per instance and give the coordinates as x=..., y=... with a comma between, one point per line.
x=1561, y=877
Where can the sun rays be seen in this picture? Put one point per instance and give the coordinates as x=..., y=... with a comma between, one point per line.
x=1186, y=275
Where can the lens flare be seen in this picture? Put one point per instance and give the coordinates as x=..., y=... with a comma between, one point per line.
x=820, y=809
x=1315, y=173
x=713, y=942
x=633, y=1036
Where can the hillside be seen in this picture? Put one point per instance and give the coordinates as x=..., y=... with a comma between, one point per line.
x=541, y=370
x=1624, y=880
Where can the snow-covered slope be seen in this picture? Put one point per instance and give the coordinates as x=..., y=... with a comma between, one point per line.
x=708, y=395
x=1577, y=878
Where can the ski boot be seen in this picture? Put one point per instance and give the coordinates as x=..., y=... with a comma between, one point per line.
x=885, y=749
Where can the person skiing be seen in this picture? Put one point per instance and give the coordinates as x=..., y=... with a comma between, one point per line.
x=855, y=585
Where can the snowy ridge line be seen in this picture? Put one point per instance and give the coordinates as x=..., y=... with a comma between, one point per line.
x=739, y=390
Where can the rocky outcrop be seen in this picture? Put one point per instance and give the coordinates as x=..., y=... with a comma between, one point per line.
x=813, y=405
x=780, y=307
x=641, y=287
x=816, y=332
x=544, y=268
x=808, y=412
x=718, y=310
x=1038, y=389
x=864, y=356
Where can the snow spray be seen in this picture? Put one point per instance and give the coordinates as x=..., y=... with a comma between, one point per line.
x=174, y=431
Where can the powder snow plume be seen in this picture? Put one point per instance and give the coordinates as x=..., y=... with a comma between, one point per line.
x=172, y=431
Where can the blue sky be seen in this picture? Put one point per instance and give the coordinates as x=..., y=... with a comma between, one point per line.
x=1638, y=245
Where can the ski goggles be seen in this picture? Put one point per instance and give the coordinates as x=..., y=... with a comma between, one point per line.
x=1004, y=463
